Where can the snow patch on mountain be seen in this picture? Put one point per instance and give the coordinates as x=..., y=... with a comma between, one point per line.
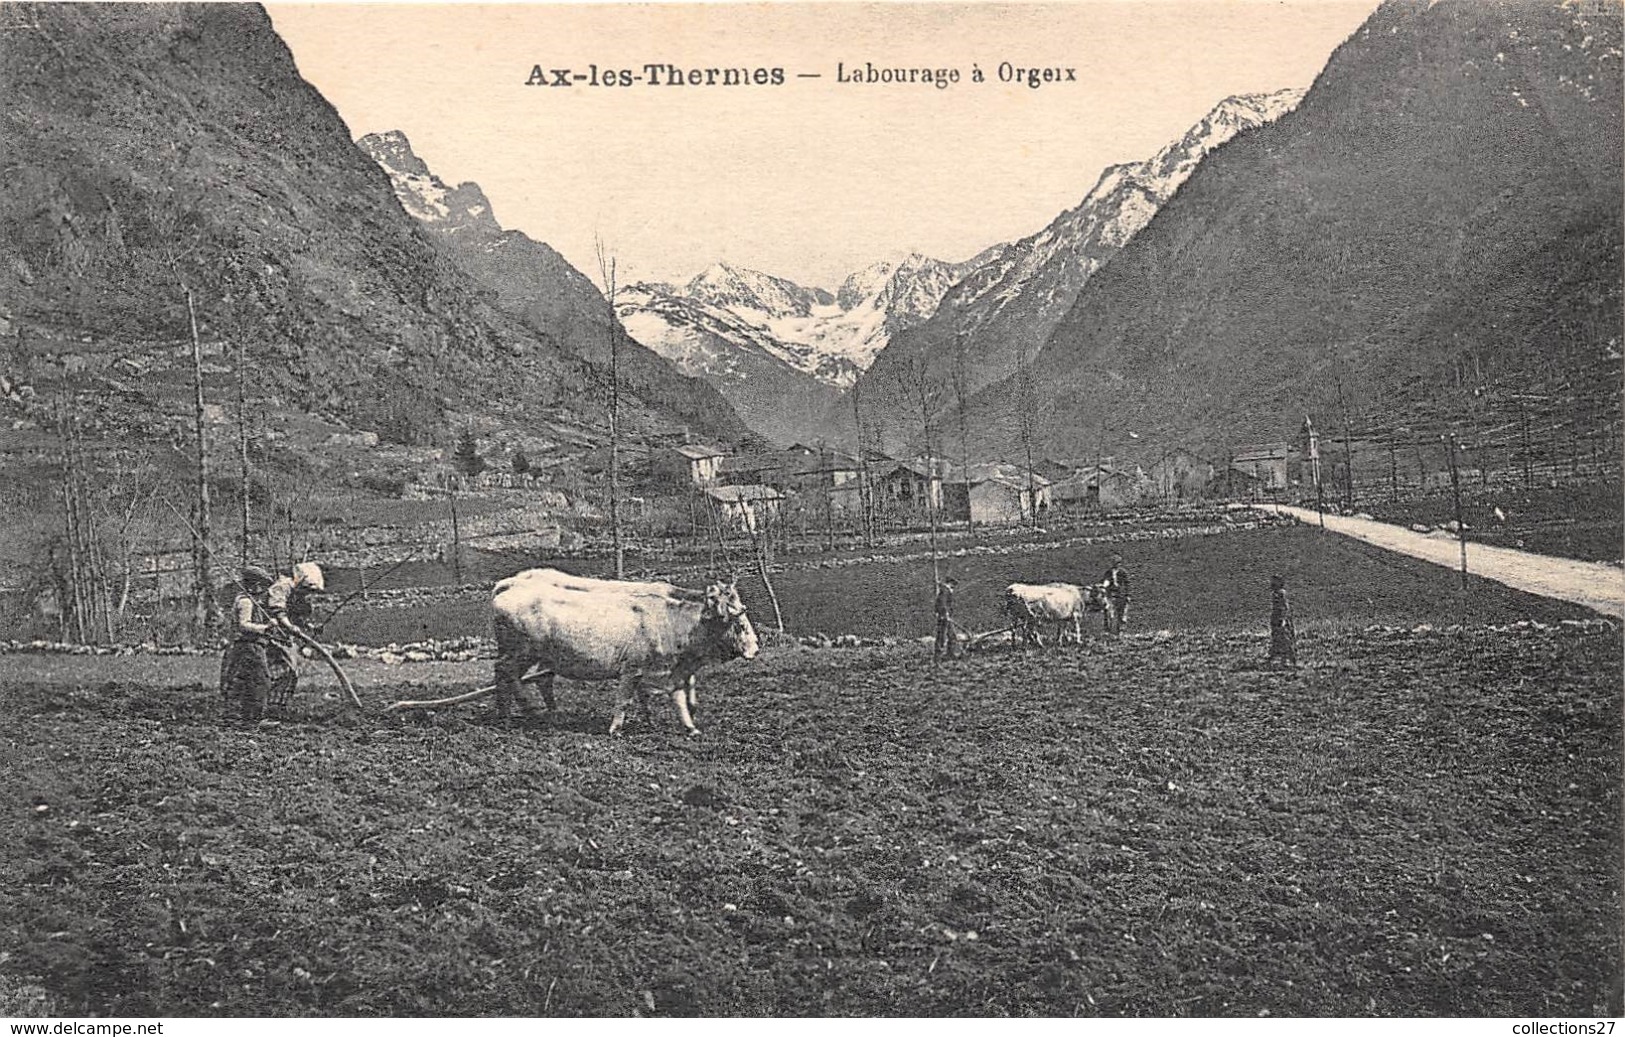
x=830, y=337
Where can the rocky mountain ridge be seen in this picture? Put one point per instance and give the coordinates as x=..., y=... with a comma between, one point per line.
x=1012, y=300
x=1430, y=241
x=532, y=281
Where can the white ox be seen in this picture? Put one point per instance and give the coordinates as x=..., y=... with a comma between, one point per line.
x=1026, y=605
x=587, y=629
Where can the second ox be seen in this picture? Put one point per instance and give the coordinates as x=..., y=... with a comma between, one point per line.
x=1028, y=605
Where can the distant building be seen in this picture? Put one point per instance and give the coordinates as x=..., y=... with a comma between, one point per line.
x=997, y=494
x=749, y=507
x=767, y=469
x=1180, y=475
x=1099, y=487
x=688, y=464
x=824, y=474
x=911, y=487
x=1267, y=463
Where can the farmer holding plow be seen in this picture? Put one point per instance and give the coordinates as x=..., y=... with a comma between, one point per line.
x=290, y=605
x=245, y=670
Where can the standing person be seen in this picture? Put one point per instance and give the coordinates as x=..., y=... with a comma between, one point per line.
x=1116, y=584
x=289, y=598
x=288, y=601
x=947, y=631
x=1283, y=638
x=245, y=676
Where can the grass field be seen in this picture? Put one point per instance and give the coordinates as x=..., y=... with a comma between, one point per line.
x=1572, y=520
x=1419, y=822
x=1208, y=582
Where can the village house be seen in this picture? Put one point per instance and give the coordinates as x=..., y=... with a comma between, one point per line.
x=996, y=494
x=1266, y=463
x=769, y=468
x=822, y=474
x=1099, y=487
x=688, y=464
x=750, y=507
x=911, y=487
x=1274, y=467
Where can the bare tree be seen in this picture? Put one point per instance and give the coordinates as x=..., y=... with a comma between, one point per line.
x=205, y=613
x=1348, y=449
x=924, y=391
x=758, y=526
x=243, y=481
x=1026, y=401
x=959, y=377
x=826, y=476
x=606, y=271
x=76, y=604
x=170, y=224
x=866, y=498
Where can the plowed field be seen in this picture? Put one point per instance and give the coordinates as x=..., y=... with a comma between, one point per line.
x=1418, y=822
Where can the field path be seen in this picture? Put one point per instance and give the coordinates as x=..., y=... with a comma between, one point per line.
x=1595, y=585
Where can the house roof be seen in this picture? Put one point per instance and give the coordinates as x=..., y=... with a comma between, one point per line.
x=1262, y=452
x=698, y=451
x=917, y=466
x=746, y=492
x=736, y=464
x=1092, y=476
x=829, y=461
x=1001, y=471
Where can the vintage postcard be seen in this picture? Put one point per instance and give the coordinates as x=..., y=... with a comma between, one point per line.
x=918, y=509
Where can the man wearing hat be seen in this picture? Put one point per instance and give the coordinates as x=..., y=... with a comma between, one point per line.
x=245, y=671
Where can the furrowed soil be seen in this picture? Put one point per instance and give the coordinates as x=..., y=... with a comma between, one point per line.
x=1419, y=822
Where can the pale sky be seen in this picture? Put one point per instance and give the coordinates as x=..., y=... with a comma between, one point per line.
x=816, y=178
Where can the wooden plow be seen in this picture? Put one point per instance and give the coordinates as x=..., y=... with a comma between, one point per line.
x=973, y=642
x=338, y=671
x=457, y=700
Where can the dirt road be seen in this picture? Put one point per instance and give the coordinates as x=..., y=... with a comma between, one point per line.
x=1593, y=584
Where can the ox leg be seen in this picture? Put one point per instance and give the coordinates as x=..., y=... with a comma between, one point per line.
x=509, y=669
x=642, y=694
x=693, y=695
x=681, y=691
x=544, y=684
x=630, y=687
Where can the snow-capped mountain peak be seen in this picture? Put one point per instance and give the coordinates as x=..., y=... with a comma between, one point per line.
x=831, y=338
x=741, y=289
x=1012, y=297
